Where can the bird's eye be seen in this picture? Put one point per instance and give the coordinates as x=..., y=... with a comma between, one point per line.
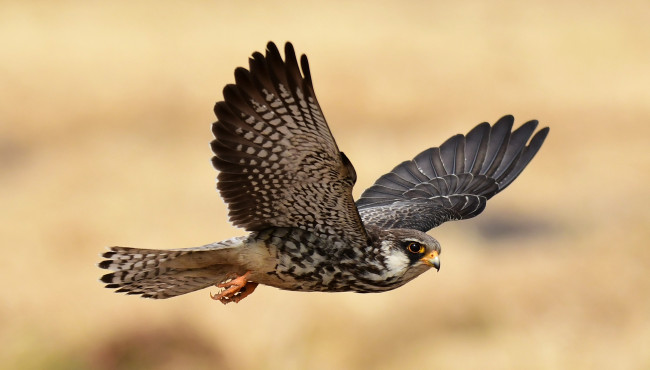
x=414, y=247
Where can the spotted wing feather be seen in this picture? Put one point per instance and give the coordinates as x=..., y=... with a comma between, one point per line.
x=453, y=181
x=279, y=164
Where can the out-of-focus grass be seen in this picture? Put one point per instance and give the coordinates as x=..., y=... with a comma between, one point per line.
x=104, y=126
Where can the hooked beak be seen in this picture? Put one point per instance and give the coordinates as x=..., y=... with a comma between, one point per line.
x=432, y=260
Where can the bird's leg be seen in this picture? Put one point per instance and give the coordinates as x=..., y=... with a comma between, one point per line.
x=236, y=289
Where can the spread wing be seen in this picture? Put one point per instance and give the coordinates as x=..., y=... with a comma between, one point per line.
x=453, y=181
x=279, y=164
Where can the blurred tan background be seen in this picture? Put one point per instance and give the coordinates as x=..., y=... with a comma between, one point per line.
x=105, y=113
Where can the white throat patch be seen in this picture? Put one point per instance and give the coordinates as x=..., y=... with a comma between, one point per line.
x=396, y=262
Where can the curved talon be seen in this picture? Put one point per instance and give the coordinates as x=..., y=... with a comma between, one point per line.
x=230, y=277
x=235, y=290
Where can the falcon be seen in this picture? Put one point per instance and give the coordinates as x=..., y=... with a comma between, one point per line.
x=287, y=183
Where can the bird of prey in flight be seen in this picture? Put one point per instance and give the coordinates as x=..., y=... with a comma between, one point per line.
x=287, y=183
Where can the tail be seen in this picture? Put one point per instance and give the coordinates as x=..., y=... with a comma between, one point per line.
x=160, y=274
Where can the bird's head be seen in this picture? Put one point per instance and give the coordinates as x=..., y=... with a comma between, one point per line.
x=408, y=253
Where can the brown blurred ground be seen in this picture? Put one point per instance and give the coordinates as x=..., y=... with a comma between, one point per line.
x=104, y=129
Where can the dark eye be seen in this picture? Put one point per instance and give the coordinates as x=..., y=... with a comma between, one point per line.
x=415, y=247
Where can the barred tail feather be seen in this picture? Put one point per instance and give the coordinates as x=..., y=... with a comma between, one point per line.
x=162, y=274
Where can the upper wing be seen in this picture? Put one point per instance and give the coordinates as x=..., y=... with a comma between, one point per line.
x=279, y=164
x=454, y=181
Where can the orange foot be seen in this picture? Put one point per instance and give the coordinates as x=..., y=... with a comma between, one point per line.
x=236, y=289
